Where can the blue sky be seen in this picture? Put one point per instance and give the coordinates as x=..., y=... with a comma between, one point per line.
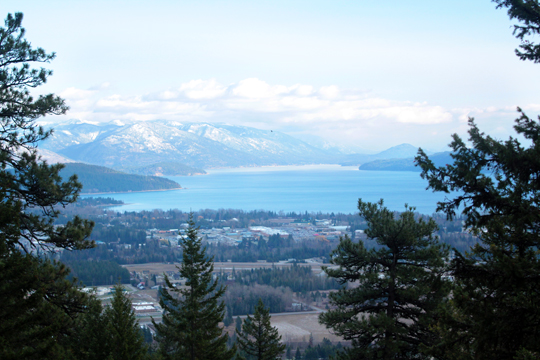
x=366, y=74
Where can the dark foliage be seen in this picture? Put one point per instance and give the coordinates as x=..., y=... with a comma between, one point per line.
x=190, y=324
x=259, y=340
x=96, y=273
x=96, y=179
x=242, y=300
x=527, y=13
x=111, y=333
x=97, y=201
x=496, y=308
x=297, y=278
x=325, y=351
x=38, y=303
x=388, y=311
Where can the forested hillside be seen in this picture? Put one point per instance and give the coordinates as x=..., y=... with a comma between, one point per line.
x=99, y=179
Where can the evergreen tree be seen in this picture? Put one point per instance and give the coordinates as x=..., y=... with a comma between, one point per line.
x=112, y=333
x=288, y=354
x=38, y=303
x=238, y=323
x=258, y=338
x=527, y=12
x=190, y=325
x=31, y=189
x=496, y=306
x=90, y=341
x=389, y=314
x=123, y=330
x=228, y=317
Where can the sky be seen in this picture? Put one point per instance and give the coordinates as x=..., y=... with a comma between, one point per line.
x=363, y=74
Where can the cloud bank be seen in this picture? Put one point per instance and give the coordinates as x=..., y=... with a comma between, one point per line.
x=340, y=116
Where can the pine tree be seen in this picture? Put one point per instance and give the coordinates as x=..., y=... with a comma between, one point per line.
x=190, y=325
x=288, y=354
x=228, y=317
x=258, y=338
x=238, y=323
x=495, y=310
x=122, y=328
x=399, y=286
x=31, y=189
x=527, y=12
x=112, y=333
x=90, y=341
x=298, y=354
x=38, y=303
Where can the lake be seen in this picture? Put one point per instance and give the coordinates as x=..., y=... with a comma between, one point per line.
x=312, y=188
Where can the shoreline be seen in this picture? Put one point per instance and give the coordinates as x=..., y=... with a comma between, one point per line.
x=129, y=192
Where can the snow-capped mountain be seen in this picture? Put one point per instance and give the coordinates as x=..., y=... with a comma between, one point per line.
x=135, y=144
x=75, y=132
x=201, y=145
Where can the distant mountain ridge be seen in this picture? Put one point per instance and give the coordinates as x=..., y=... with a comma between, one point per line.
x=407, y=164
x=142, y=144
x=401, y=151
x=198, y=145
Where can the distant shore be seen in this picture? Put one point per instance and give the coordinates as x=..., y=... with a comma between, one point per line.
x=128, y=192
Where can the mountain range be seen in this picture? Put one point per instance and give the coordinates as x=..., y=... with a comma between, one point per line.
x=142, y=144
x=406, y=164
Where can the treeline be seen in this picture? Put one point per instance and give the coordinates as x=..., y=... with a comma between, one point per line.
x=128, y=245
x=96, y=273
x=297, y=278
x=97, y=201
x=120, y=228
x=149, y=252
x=118, y=233
x=324, y=350
x=450, y=231
x=242, y=300
x=251, y=251
x=205, y=219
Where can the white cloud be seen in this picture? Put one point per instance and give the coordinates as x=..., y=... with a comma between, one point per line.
x=328, y=111
x=202, y=89
x=329, y=92
x=419, y=114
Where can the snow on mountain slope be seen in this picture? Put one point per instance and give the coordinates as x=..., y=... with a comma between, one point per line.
x=139, y=143
x=144, y=143
x=74, y=133
x=52, y=157
x=254, y=141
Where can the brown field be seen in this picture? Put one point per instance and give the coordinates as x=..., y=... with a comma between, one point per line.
x=294, y=328
x=159, y=268
x=297, y=328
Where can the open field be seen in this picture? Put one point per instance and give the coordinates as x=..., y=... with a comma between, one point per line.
x=297, y=328
x=160, y=268
x=293, y=327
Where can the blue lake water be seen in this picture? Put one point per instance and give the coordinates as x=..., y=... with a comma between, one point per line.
x=325, y=188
